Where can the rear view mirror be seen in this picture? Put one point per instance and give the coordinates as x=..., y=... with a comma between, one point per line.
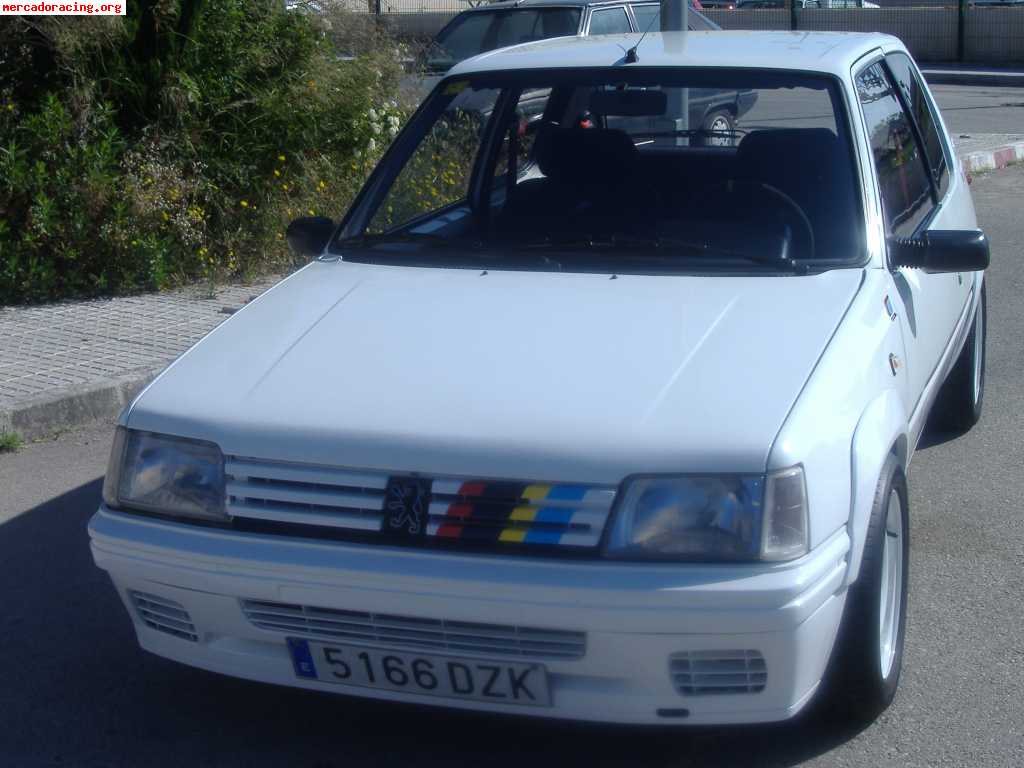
x=308, y=236
x=954, y=250
x=629, y=103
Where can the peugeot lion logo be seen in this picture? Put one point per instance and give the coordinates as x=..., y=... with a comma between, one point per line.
x=405, y=505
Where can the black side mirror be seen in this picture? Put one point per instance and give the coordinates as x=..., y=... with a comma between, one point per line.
x=953, y=250
x=308, y=236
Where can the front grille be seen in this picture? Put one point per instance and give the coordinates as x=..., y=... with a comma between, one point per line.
x=434, y=634
x=700, y=673
x=453, y=509
x=164, y=615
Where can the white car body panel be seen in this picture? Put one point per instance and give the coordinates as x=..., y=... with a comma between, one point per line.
x=565, y=378
x=455, y=378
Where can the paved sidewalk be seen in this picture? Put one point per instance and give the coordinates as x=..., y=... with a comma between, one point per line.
x=989, y=151
x=70, y=363
x=66, y=364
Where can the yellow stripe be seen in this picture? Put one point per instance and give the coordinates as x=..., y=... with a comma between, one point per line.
x=523, y=514
x=536, y=492
x=514, y=535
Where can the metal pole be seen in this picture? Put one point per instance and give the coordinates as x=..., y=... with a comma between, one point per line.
x=674, y=19
x=961, y=21
x=792, y=15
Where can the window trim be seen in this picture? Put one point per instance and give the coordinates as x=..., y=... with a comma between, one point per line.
x=607, y=9
x=937, y=193
x=865, y=64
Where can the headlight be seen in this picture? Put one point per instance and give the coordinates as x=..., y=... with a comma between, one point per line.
x=737, y=517
x=169, y=475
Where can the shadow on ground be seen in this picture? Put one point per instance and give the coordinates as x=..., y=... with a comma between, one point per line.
x=76, y=690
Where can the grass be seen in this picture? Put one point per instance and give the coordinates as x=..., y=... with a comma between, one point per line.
x=10, y=442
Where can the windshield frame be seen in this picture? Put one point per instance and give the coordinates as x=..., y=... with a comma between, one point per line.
x=511, y=83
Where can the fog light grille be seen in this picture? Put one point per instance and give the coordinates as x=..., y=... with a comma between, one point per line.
x=164, y=615
x=703, y=673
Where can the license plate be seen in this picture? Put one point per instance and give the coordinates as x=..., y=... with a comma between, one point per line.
x=460, y=678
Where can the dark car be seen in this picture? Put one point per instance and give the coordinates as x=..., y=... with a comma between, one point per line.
x=502, y=24
x=498, y=25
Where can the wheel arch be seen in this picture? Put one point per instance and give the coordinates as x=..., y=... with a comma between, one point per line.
x=881, y=432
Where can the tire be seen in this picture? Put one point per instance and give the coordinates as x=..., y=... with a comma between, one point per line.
x=719, y=120
x=958, y=406
x=864, y=671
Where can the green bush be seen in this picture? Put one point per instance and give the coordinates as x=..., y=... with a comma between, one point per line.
x=176, y=142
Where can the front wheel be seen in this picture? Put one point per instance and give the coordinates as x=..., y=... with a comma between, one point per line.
x=864, y=671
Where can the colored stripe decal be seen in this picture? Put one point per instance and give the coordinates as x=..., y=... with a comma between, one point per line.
x=524, y=514
x=513, y=535
x=536, y=492
x=555, y=515
x=543, y=536
x=567, y=493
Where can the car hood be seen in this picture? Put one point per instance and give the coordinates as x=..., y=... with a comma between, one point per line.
x=529, y=375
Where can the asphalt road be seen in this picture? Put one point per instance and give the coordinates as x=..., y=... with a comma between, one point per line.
x=75, y=690
x=981, y=109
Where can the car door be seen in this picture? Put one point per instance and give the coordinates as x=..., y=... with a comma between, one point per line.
x=928, y=305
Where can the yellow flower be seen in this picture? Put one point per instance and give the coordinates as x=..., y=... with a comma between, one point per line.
x=10, y=107
x=322, y=184
x=166, y=217
x=244, y=203
x=284, y=187
x=311, y=212
x=281, y=158
x=277, y=172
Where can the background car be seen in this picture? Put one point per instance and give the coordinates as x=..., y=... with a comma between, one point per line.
x=498, y=25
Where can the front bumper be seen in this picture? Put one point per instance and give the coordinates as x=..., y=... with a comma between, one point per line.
x=635, y=616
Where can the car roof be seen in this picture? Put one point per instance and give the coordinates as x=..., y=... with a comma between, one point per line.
x=828, y=52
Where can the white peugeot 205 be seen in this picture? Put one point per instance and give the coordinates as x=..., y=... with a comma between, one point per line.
x=578, y=413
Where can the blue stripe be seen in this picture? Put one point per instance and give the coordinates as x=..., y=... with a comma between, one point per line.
x=553, y=515
x=543, y=537
x=567, y=493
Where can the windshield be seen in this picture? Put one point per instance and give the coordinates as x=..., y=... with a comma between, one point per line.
x=478, y=31
x=645, y=170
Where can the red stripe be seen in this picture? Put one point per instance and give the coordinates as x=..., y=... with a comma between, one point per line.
x=449, y=531
x=461, y=511
x=472, y=489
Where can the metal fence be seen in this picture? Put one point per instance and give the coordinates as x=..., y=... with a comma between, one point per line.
x=933, y=30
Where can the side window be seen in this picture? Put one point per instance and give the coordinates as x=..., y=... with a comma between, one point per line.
x=902, y=175
x=516, y=27
x=647, y=17
x=437, y=174
x=515, y=156
x=610, y=21
x=917, y=102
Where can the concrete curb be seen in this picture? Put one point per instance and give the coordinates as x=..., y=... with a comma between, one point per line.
x=59, y=411
x=973, y=78
x=993, y=159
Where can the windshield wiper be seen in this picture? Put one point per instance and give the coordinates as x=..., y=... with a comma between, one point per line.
x=659, y=245
x=431, y=239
